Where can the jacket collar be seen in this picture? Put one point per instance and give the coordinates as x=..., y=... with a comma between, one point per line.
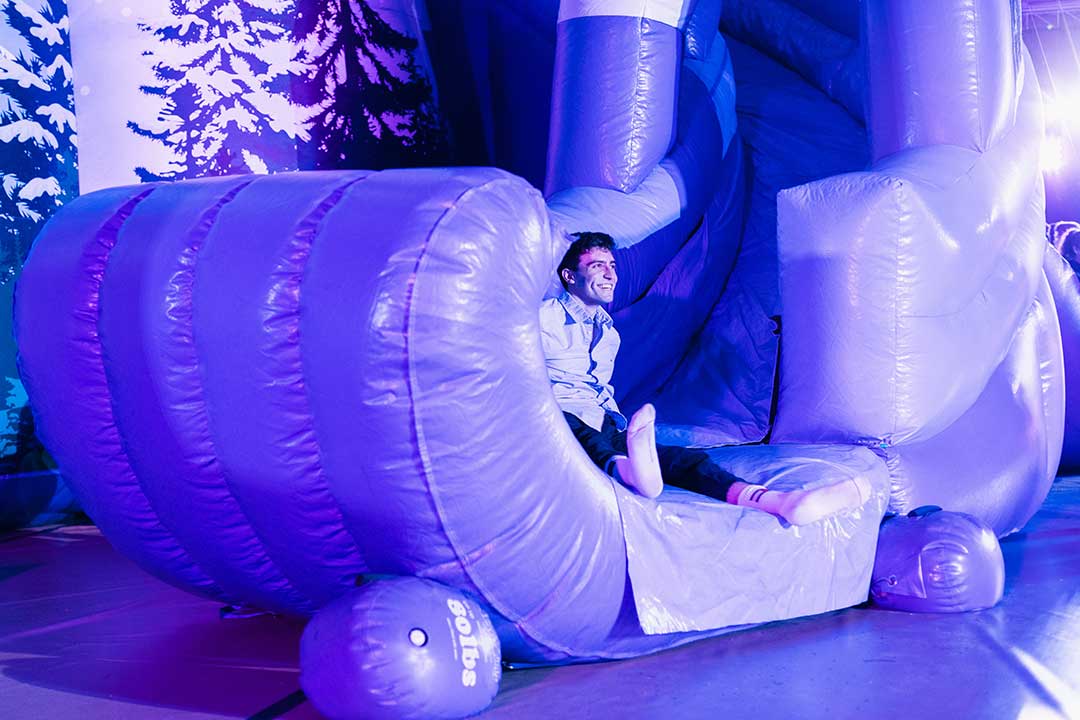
x=582, y=313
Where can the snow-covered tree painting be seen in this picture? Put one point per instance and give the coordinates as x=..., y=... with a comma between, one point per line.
x=369, y=102
x=223, y=71
x=38, y=170
x=38, y=174
x=269, y=85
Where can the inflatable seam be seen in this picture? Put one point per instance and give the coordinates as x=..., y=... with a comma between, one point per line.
x=107, y=237
x=982, y=140
x=1049, y=319
x=309, y=591
x=302, y=240
x=639, y=117
x=190, y=253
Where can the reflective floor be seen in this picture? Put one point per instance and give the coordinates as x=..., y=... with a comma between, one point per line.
x=84, y=634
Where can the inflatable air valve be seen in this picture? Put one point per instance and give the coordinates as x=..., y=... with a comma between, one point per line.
x=400, y=648
x=936, y=561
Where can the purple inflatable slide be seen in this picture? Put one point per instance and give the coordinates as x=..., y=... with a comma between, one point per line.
x=262, y=388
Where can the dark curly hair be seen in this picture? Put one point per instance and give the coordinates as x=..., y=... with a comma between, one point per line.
x=583, y=242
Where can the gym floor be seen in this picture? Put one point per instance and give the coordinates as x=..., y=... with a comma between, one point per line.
x=85, y=634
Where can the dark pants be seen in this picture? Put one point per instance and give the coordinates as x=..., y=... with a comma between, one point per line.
x=682, y=467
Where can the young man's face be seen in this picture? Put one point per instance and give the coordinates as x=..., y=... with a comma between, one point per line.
x=594, y=280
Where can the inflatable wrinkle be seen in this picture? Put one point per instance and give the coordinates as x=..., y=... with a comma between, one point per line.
x=1050, y=355
x=1025, y=396
x=842, y=16
x=182, y=393
x=828, y=60
x=73, y=410
x=934, y=82
x=1065, y=288
x=659, y=327
x=255, y=392
x=928, y=220
x=902, y=341
x=716, y=74
x=146, y=294
x=700, y=31
x=614, y=98
x=786, y=566
x=628, y=217
x=352, y=329
x=285, y=361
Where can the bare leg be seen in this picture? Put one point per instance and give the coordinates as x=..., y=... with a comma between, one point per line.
x=802, y=507
x=641, y=471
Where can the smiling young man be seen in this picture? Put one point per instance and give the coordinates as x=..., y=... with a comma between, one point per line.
x=580, y=345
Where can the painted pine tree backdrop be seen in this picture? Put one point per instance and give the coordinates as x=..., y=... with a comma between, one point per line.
x=223, y=76
x=193, y=88
x=38, y=174
x=38, y=169
x=271, y=85
x=369, y=103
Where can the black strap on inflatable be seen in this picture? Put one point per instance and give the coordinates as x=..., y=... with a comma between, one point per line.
x=282, y=706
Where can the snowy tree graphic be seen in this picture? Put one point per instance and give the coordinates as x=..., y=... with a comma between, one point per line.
x=38, y=167
x=222, y=70
x=369, y=104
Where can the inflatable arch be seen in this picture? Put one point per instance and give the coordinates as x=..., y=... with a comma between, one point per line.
x=264, y=387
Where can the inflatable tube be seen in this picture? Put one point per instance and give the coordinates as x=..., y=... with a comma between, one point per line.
x=1065, y=287
x=931, y=262
x=894, y=279
x=341, y=374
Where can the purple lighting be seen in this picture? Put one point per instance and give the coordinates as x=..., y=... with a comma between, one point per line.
x=341, y=396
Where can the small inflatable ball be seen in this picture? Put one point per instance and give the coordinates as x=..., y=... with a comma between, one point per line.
x=400, y=648
x=936, y=561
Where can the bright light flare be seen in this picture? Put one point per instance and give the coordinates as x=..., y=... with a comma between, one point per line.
x=1062, y=112
x=1053, y=154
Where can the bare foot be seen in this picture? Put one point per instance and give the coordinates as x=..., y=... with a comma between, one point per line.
x=641, y=471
